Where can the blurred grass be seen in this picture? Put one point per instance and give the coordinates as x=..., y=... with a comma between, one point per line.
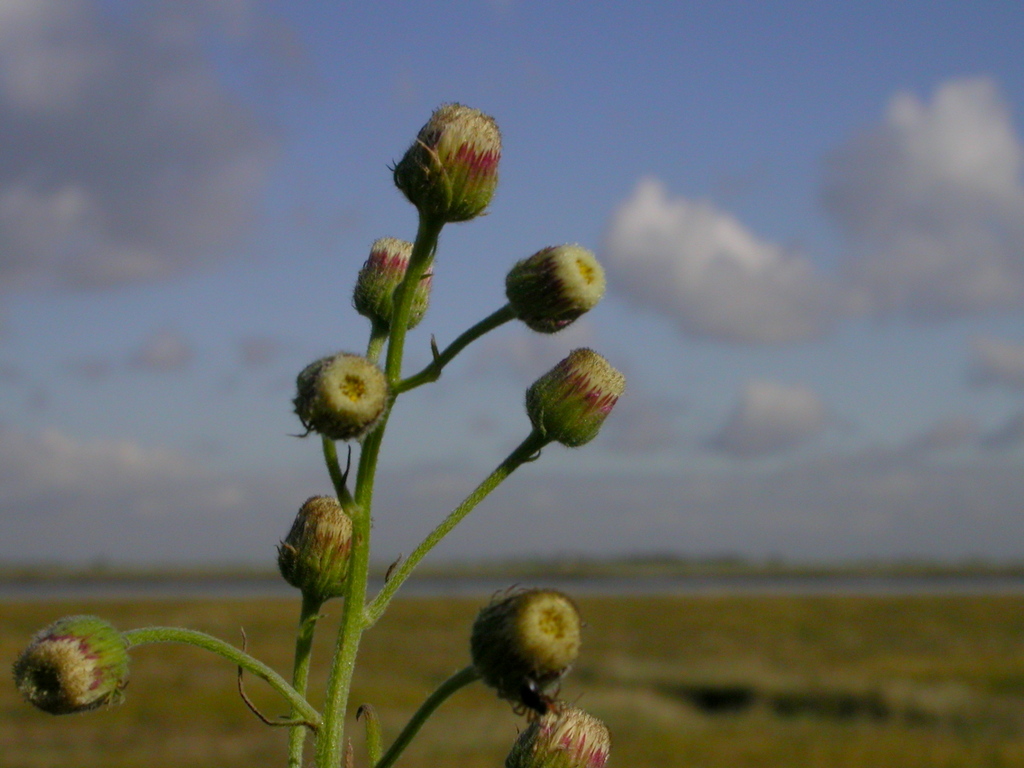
x=816, y=681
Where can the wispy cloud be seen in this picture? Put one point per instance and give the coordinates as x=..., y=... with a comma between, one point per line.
x=932, y=202
x=258, y=351
x=1007, y=435
x=125, y=157
x=770, y=417
x=527, y=355
x=997, y=362
x=704, y=269
x=78, y=500
x=944, y=435
x=165, y=350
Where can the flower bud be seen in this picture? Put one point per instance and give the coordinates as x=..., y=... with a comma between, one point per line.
x=571, y=401
x=76, y=664
x=566, y=737
x=340, y=397
x=381, y=275
x=314, y=556
x=525, y=641
x=451, y=170
x=556, y=285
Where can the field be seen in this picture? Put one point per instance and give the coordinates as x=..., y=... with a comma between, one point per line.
x=812, y=681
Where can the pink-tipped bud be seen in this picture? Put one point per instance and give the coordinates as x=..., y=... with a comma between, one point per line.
x=314, y=556
x=556, y=285
x=524, y=642
x=571, y=401
x=381, y=275
x=76, y=664
x=341, y=397
x=566, y=737
x=451, y=170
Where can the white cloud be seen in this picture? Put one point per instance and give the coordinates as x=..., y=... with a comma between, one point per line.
x=63, y=498
x=125, y=157
x=32, y=466
x=994, y=361
x=770, y=417
x=701, y=267
x=933, y=203
x=165, y=350
x=75, y=500
x=852, y=507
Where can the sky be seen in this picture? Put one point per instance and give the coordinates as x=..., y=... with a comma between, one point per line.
x=811, y=218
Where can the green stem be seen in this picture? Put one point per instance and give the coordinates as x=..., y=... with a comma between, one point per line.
x=526, y=451
x=432, y=372
x=146, y=635
x=353, y=622
x=373, y=732
x=308, y=616
x=419, y=261
x=460, y=679
x=378, y=335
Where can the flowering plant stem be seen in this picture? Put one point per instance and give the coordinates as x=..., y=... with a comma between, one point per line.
x=526, y=451
x=308, y=616
x=460, y=679
x=449, y=173
x=432, y=372
x=353, y=621
x=300, y=706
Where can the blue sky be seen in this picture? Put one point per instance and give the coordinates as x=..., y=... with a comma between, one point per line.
x=811, y=217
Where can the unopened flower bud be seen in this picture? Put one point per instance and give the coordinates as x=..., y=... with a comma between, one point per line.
x=76, y=664
x=381, y=275
x=314, y=556
x=451, y=170
x=341, y=397
x=524, y=642
x=566, y=737
x=571, y=401
x=556, y=285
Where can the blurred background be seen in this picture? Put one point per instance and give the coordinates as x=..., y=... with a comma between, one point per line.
x=811, y=216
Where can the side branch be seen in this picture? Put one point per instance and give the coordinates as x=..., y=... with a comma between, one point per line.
x=527, y=451
x=146, y=635
x=460, y=679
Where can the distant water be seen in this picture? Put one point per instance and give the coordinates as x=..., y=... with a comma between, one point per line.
x=262, y=588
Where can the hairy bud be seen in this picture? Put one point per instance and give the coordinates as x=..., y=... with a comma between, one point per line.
x=571, y=401
x=76, y=664
x=381, y=275
x=314, y=556
x=340, y=397
x=524, y=642
x=556, y=285
x=564, y=738
x=451, y=170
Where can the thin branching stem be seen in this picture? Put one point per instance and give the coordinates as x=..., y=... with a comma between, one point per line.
x=459, y=680
x=526, y=451
x=432, y=372
x=330, y=742
x=147, y=635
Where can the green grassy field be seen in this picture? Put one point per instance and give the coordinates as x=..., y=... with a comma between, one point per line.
x=706, y=681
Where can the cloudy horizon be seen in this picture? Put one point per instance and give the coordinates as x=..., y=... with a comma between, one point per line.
x=815, y=270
